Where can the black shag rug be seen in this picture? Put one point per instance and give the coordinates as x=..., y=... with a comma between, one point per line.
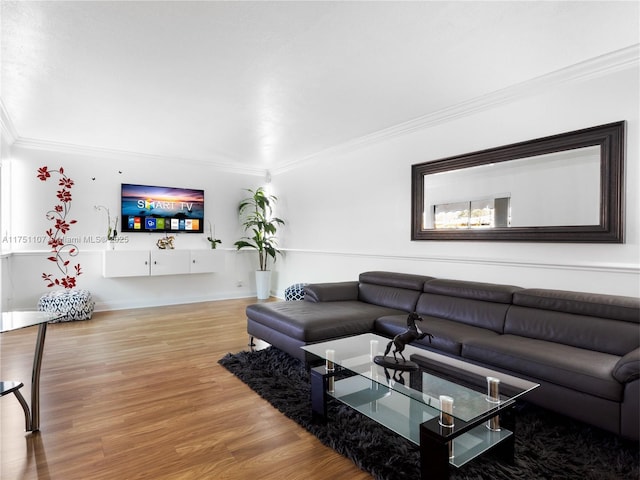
x=548, y=446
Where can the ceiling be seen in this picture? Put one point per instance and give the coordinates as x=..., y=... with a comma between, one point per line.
x=261, y=85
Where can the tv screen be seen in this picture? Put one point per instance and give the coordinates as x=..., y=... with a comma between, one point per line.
x=146, y=208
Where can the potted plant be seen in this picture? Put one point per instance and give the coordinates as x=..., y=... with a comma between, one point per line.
x=112, y=233
x=256, y=214
x=213, y=241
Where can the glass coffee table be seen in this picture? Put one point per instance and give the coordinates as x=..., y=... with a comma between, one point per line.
x=454, y=410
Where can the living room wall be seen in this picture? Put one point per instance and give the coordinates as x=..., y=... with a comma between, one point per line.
x=4, y=259
x=97, y=178
x=349, y=208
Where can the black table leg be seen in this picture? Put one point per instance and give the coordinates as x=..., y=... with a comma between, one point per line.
x=434, y=457
x=319, y=382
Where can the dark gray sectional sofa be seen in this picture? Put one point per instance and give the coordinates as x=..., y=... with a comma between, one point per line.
x=583, y=348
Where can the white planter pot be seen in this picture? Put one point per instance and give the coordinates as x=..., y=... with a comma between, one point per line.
x=263, y=284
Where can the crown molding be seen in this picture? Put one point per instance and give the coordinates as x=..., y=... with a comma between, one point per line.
x=113, y=154
x=595, y=67
x=606, y=64
x=7, y=127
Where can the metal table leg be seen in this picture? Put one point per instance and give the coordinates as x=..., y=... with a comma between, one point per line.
x=35, y=379
x=7, y=387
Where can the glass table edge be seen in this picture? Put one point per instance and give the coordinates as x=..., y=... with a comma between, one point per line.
x=7, y=323
x=523, y=386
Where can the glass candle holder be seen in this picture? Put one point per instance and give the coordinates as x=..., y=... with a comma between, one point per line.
x=493, y=390
x=330, y=355
x=446, y=411
x=493, y=396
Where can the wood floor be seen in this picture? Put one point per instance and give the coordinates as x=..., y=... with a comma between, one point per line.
x=138, y=394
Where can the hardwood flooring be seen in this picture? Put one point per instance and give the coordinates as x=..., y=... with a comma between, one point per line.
x=138, y=394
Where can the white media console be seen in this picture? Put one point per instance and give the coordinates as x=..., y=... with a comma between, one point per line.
x=139, y=263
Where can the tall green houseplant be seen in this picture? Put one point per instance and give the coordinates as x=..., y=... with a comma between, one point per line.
x=256, y=213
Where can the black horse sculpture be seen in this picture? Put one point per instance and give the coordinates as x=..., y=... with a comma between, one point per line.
x=402, y=339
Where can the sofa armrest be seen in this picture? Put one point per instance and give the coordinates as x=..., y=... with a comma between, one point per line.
x=628, y=367
x=331, y=292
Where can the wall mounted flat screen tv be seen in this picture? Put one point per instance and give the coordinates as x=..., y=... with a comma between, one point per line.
x=146, y=208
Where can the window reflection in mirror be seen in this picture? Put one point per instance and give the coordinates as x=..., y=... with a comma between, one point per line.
x=485, y=213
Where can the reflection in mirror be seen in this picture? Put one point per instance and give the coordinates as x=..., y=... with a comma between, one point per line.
x=485, y=213
x=519, y=193
x=563, y=188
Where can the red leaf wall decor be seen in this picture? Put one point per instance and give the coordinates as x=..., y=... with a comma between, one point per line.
x=62, y=250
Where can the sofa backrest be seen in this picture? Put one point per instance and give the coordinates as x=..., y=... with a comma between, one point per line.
x=390, y=289
x=474, y=303
x=603, y=323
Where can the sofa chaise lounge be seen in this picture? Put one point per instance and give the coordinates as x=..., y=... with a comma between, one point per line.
x=583, y=348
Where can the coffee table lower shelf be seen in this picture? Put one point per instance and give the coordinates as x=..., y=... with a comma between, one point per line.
x=404, y=415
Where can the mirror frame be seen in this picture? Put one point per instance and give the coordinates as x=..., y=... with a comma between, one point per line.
x=610, y=138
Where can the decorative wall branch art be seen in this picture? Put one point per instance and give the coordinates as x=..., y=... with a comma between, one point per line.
x=62, y=251
x=112, y=232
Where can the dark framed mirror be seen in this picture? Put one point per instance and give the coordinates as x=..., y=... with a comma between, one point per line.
x=563, y=188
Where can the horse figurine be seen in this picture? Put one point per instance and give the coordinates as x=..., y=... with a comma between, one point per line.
x=411, y=334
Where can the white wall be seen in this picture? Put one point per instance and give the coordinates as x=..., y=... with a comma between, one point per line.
x=349, y=211
x=97, y=182
x=4, y=202
x=346, y=211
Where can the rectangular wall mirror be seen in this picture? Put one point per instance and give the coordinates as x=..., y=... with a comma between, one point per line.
x=563, y=188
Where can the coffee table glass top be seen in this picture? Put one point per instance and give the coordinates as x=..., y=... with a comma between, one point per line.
x=16, y=320
x=355, y=355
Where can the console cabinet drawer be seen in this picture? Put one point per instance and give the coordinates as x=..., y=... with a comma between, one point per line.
x=204, y=261
x=125, y=263
x=139, y=263
x=170, y=262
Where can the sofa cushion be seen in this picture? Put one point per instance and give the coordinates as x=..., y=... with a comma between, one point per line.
x=331, y=292
x=391, y=297
x=393, y=279
x=615, y=307
x=482, y=305
x=628, y=367
x=448, y=336
x=487, y=292
x=313, y=322
x=476, y=313
x=577, y=368
x=388, y=289
x=592, y=333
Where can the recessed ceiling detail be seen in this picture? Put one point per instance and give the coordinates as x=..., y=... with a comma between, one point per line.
x=265, y=85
